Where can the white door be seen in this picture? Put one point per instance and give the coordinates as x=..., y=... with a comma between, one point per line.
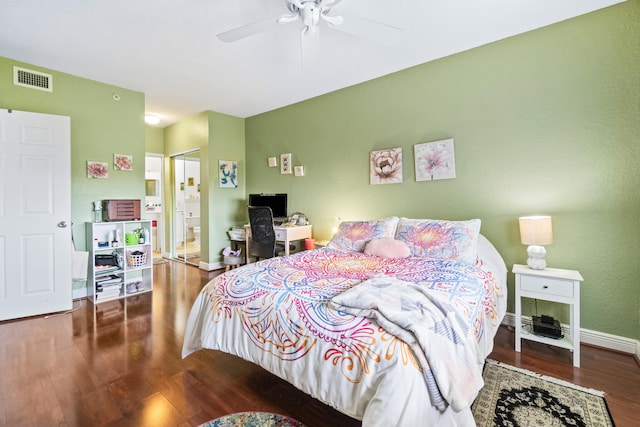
x=35, y=214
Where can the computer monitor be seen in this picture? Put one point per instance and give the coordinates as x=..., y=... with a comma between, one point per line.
x=277, y=203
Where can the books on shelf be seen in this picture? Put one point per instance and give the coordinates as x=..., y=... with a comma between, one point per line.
x=109, y=278
x=108, y=294
x=108, y=286
x=102, y=269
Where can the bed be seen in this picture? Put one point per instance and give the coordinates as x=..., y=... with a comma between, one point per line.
x=390, y=323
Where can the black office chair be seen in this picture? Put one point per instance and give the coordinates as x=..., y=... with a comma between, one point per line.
x=263, y=236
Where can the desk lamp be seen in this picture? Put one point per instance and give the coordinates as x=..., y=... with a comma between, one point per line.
x=536, y=231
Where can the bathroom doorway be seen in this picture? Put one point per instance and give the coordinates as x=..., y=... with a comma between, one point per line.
x=186, y=207
x=153, y=202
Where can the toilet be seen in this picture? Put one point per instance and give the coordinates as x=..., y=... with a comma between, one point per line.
x=196, y=233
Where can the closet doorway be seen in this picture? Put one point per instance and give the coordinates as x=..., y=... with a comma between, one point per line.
x=186, y=207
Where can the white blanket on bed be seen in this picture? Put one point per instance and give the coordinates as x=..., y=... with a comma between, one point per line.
x=441, y=340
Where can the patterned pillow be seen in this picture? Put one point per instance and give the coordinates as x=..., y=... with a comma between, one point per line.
x=352, y=236
x=456, y=240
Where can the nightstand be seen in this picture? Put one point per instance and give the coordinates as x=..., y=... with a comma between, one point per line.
x=550, y=284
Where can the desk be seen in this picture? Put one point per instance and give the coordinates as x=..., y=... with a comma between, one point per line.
x=283, y=234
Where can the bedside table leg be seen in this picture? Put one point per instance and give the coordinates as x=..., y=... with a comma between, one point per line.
x=575, y=334
x=518, y=318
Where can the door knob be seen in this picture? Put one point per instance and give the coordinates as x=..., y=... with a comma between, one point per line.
x=62, y=224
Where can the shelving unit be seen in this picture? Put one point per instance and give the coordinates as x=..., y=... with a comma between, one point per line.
x=120, y=265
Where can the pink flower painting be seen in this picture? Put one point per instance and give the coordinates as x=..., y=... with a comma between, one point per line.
x=123, y=162
x=97, y=170
x=386, y=166
x=435, y=160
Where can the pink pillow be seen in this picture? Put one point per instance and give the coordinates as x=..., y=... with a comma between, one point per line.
x=387, y=247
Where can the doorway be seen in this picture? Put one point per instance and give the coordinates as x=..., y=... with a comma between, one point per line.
x=153, y=202
x=186, y=207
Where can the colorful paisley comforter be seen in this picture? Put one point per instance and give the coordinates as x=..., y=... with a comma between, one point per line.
x=278, y=314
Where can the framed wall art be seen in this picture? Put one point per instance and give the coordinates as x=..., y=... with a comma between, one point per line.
x=99, y=170
x=228, y=173
x=123, y=162
x=385, y=166
x=435, y=160
x=285, y=164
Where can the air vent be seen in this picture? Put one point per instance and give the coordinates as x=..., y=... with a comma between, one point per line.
x=32, y=79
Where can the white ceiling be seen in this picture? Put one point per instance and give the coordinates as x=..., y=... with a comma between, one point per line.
x=168, y=49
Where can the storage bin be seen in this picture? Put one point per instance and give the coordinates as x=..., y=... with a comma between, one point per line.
x=136, y=258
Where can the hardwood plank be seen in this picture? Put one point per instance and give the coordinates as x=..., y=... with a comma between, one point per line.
x=119, y=364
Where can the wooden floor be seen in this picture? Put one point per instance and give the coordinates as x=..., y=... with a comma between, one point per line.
x=119, y=364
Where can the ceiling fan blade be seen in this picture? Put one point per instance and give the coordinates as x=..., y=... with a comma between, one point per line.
x=288, y=18
x=248, y=30
x=368, y=29
x=334, y=20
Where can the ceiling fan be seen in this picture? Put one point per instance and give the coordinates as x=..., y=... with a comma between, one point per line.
x=314, y=12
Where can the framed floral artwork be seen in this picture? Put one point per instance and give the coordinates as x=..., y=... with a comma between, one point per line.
x=123, y=162
x=435, y=160
x=385, y=166
x=228, y=173
x=98, y=170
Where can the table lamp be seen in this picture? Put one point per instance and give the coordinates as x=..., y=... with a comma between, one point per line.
x=536, y=231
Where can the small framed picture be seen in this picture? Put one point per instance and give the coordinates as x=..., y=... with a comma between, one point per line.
x=285, y=164
x=298, y=170
x=99, y=170
x=228, y=173
x=123, y=162
x=273, y=162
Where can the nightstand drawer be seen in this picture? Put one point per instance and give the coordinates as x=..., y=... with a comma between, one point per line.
x=280, y=235
x=545, y=285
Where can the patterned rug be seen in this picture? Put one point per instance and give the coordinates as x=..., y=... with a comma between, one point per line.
x=253, y=419
x=518, y=398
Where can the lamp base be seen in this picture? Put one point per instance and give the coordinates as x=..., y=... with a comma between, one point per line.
x=536, y=259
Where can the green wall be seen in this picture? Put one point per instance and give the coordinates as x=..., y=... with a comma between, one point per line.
x=544, y=122
x=154, y=139
x=100, y=127
x=218, y=137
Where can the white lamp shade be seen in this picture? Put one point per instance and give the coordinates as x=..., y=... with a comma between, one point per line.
x=536, y=230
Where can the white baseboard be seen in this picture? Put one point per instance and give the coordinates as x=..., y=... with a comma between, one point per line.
x=211, y=266
x=588, y=336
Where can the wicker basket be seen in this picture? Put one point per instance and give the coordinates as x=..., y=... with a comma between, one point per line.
x=136, y=260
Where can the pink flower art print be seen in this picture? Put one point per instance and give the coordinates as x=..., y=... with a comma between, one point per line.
x=97, y=170
x=435, y=160
x=123, y=162
x=386, y=166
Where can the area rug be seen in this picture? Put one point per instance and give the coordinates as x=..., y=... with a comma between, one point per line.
x=519, y=398
x=253, y=419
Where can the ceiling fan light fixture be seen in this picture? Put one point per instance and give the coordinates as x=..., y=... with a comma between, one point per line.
x=311, y=12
